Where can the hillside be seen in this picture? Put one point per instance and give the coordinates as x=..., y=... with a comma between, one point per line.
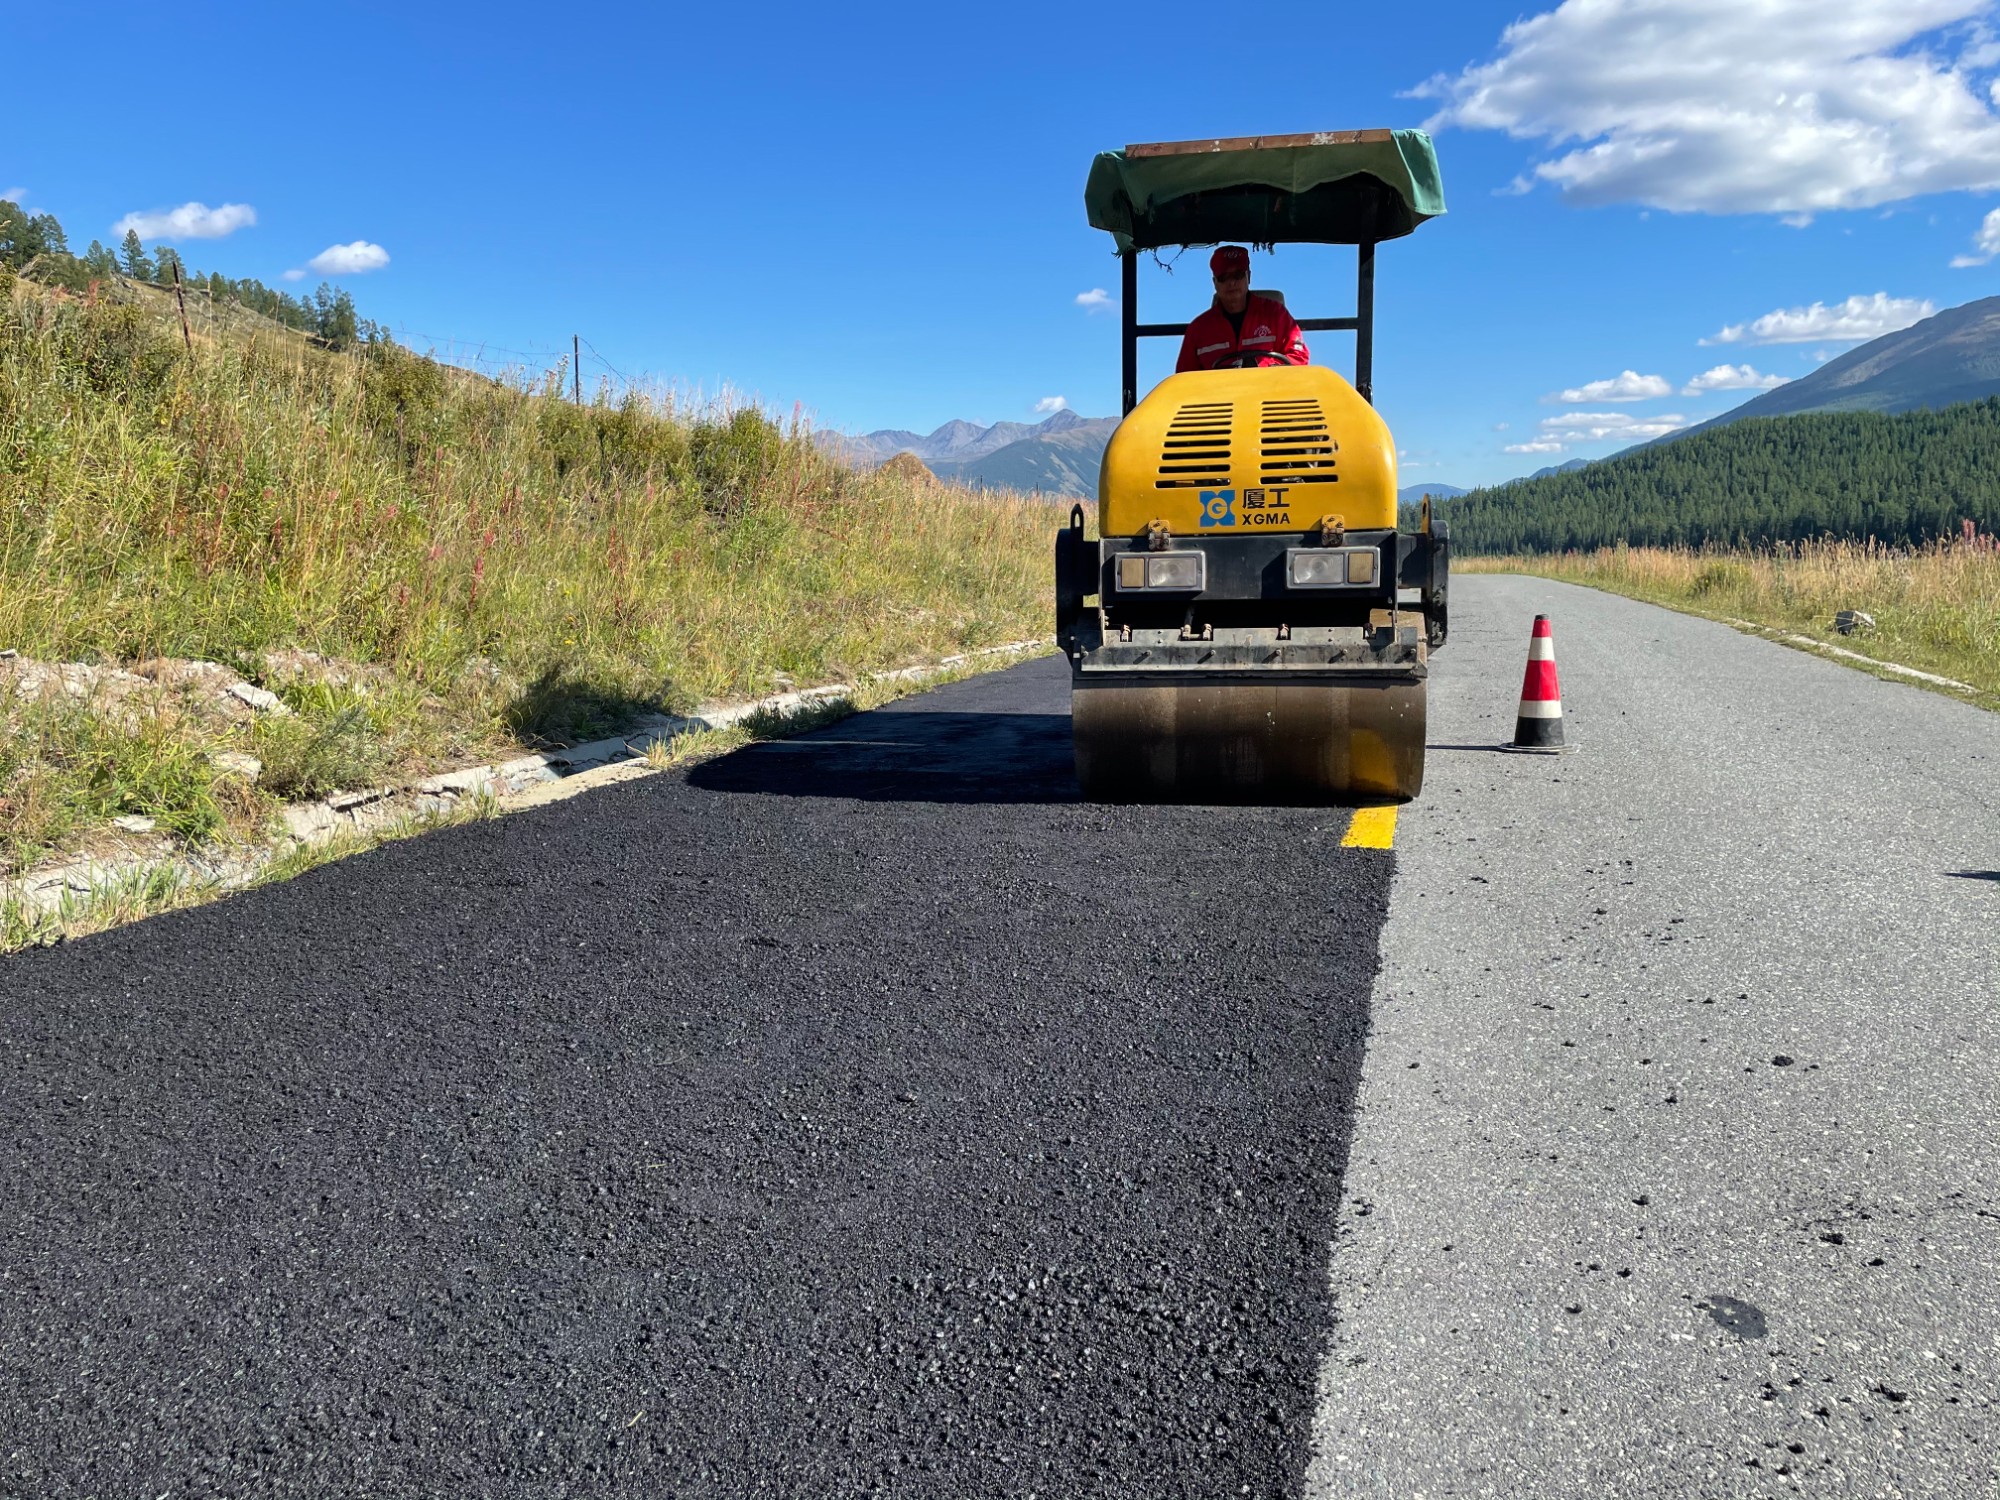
x=1060, y=464
x=1905, y=478
x=479, y=567
x=35, y=247
x=1561, y=468
x=1947, y=359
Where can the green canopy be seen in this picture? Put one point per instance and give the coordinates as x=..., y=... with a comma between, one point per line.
x=1346, y=187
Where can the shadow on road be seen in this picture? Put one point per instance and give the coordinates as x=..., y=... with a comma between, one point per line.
x=899, y=755
x=1993, y=875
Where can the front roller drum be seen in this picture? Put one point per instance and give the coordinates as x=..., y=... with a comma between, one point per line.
x=1225, y=739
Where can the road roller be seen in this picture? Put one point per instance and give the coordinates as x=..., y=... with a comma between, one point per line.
x=1249, y=624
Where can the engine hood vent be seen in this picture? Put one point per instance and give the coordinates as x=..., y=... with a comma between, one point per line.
x=1195, y=452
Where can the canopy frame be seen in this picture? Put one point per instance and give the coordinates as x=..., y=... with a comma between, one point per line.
x=1352, y=187
x=1362, y=324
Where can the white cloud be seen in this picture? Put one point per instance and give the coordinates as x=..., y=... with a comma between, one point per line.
x=15, y=196
x=1629, y=385
x=1096, y=300
x=191, y=221
x=1731, y=378
x=1502, y=426
x=1536, y=447
x=1596, y=426
x=1051, y=404
x=295, y=275
x=1987, y=240
x=1845, y=322
x=349, y=260
x=1741, y=106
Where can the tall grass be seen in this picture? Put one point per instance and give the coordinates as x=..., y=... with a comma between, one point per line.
x=527, y=570
x=1936, y=608
x=386, y=509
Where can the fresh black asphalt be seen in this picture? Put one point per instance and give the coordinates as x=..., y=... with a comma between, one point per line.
x=857, y=1115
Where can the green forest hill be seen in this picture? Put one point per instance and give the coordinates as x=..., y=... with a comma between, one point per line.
x=1908, y=479
x=36, y=246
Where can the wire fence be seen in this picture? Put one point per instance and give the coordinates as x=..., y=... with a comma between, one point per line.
x=581, y=373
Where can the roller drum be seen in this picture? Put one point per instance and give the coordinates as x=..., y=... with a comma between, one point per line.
x=1225, y=739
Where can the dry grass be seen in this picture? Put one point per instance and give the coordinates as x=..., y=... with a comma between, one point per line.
x=523, y=571
x=1936, y=608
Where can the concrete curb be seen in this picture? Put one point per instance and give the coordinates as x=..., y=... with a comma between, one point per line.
x=1772, y=632
x=526, y=781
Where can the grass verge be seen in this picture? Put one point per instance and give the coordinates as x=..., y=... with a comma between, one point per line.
x=1935, y=608
x=132, y=895
x=492, y=568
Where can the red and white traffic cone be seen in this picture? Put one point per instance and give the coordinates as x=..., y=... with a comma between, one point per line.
x=1539, y=725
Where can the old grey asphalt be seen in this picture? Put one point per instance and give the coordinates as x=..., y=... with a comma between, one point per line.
x=857, y=1115
x=1677, y=1166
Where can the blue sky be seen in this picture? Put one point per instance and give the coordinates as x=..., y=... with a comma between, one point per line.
x=877, y=212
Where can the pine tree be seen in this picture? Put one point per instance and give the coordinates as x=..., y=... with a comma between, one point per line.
x=340, y=327
x=132, y=256
x=20, y=241
x=100, y=262
x=166, y=260
x=50, y=232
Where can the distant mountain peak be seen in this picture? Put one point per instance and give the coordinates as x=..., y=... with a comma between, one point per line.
x=1058, y=454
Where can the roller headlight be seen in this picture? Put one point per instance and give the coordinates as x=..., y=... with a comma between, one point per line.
x=1330, y=567
x=1162, y=572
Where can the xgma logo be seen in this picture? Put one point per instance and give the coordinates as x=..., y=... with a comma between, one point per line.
x=1218, y=508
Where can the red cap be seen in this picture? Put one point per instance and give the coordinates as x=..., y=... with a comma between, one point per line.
x=1229, y=258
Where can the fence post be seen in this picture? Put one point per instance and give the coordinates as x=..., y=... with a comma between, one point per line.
x=180, y=300
x=576, y=364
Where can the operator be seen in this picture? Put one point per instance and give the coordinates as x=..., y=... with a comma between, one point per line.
x=1239, y=329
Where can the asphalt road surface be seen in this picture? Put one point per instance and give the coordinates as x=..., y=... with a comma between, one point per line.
x=863, y=1115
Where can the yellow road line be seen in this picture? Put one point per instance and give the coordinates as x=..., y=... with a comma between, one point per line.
x=1372, y=828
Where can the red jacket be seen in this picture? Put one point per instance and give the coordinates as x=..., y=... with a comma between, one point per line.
x=1267, y=329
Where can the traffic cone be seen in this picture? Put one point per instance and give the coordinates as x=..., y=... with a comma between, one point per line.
x=1539, y=725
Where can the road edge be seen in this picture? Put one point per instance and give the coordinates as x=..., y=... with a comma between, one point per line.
x=82, y=895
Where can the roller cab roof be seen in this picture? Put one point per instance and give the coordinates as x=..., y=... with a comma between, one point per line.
x=1339, y=187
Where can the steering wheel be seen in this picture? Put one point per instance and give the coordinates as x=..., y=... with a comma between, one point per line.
x=1249, y=359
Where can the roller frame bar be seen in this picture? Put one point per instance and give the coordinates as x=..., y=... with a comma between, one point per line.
x=1362, y=325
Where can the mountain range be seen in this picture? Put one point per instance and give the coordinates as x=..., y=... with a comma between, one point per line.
x=1056, y=456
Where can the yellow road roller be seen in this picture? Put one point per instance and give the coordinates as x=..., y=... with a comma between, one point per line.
x=1243, y=630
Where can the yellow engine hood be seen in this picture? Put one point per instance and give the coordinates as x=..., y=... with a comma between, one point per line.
x=1223, y=452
